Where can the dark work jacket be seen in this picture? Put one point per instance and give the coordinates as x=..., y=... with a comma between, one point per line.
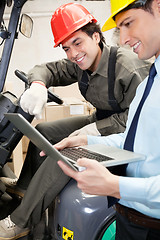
x=129, y=72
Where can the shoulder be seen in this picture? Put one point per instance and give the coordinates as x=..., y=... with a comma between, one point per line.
x=129, y=60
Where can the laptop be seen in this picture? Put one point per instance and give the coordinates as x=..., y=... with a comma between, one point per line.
x=106, y=155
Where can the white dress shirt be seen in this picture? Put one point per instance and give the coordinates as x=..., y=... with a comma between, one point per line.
x=140, y=189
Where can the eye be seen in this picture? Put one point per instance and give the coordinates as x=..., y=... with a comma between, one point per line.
x=66, y=49
x=77, y=43
x=128, y=24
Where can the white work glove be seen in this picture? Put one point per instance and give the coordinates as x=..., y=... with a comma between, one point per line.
x=34, y=99
x=90, y=129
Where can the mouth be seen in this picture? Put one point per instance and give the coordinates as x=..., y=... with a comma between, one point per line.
x=79, y=60
x=135, y=46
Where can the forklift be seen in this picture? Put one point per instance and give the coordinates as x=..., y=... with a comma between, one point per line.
x=74, y=215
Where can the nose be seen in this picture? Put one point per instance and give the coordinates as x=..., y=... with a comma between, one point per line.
x=124, y=37
x=73, y=53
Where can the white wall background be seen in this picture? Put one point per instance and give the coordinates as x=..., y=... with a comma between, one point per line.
x=39, y=48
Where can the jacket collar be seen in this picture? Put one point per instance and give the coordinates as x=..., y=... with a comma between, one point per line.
x=102, y=68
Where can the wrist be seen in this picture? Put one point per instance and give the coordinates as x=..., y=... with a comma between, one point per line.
x=112, y=181
x=40, y=82
x=84, y=139
x=116, y=192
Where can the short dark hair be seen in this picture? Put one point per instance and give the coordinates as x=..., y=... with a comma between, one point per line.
x=91, y=28
x=148, y=6
x=145, y=5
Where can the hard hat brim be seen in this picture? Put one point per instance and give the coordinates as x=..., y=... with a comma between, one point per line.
x=110, y=23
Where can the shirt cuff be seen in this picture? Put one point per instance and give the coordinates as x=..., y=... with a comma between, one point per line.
x=96, y=140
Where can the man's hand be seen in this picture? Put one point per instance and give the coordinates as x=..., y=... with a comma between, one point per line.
x=69, y=142
x=90, y=129
x=34, y=99
x=72, y=142
x=95, y=180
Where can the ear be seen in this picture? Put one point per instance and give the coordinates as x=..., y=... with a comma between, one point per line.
x=158, y=4
x=96, y=36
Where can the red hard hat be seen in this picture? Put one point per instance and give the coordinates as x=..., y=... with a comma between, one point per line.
x=67, y=19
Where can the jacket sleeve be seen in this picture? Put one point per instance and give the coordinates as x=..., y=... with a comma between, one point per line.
x=58, y=73
x=116, y=123
x=125, y=88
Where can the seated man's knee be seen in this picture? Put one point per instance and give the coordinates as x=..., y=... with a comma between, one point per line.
x=41, y=127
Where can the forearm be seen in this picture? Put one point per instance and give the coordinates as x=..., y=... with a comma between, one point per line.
x=40, y=73
x=58, y=73
x=115, y=140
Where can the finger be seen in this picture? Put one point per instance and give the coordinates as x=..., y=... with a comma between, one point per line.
x=67, y=170
x=60, y=145
x=24, y=106
x=37, y=109
x=63, y=144
x=42, y=154
x=85, y=162
x=38, y=116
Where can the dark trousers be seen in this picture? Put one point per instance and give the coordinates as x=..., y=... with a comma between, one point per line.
x=54, y=131
x=41, y=176
x=126, y=230
x=45, y=185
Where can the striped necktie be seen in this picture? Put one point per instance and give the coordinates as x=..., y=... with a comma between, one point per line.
x=129, y=142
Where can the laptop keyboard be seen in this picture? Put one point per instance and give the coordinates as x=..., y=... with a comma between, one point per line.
x=75, y=153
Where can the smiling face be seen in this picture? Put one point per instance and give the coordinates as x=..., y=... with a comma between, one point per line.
x=141, y=30
x=83, y=50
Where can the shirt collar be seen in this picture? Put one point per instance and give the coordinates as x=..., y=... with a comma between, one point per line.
x=102, y=68
x=157, y=65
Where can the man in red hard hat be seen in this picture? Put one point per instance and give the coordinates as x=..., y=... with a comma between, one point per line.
x=67, y=19
x=88, y=57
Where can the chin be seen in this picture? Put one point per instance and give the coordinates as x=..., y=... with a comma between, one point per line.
x=145, y=55
x=142, y=57
x=83, y=68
